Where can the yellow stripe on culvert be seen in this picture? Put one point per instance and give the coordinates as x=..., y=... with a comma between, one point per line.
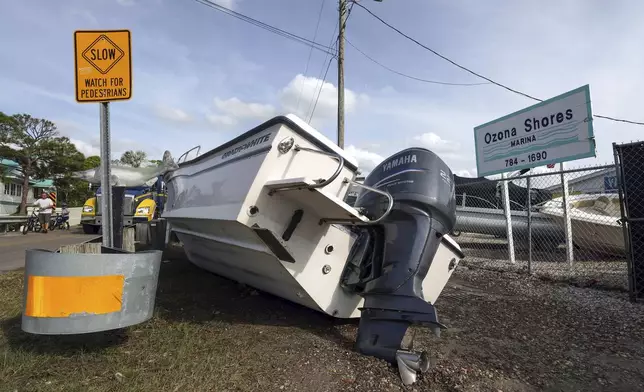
x=63, y=296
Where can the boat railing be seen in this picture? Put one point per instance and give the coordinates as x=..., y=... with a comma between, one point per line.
x=390, y=205
x=335, y=175
x=358, y=217
x=319, y=183
x=185, y=154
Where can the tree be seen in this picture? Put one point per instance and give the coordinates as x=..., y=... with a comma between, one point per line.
x=37, y=148
x=133, y=158
x=75, y=191
x=63, y=160
x=92, y=162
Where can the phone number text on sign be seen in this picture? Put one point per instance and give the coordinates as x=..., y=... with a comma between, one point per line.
x=533, y=157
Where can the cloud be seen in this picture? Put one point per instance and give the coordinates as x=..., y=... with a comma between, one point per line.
x=232, y=111
x=236, y=108
x=367, y=160
x=300, y=94
x=126, y=3
x=83, y=16
x=221, y=120
x=17, y=85
x=86, y=148
x=231, y=4
x=437, y=144
x=172, y=114
x=465, y=173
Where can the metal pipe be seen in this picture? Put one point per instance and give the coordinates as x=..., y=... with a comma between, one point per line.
x=508, y=218
x=390, y=205
x=188, y=152
x=106, y=199
x=559, y=172
x=566, y=216
x=337, y=171
x=529, y=202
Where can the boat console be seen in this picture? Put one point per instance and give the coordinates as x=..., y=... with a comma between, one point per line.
x=268, y=209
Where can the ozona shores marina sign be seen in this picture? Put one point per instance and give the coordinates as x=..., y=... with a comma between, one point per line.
x=556, y=130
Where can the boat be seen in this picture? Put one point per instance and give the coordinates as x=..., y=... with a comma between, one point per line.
x=480, y=192
x=594, y=219
x=267, y=209
x=546, y=232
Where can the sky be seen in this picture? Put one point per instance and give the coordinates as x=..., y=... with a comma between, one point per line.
x=201, y=77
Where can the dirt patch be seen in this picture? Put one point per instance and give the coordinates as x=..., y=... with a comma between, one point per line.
x=506, y=332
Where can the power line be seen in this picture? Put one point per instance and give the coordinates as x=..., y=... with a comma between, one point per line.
x=306, y=69
x=443, y=57
x=272, y=29
x=326, y=58
x=317, y=83
x=320, y=91
x=619, y=120
x=409, y=76
x=475, y=73
x=323, y=80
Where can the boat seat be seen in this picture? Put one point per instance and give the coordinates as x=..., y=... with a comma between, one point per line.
x=329, y=207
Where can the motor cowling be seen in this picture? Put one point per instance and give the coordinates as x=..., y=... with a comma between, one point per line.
x=396, y=254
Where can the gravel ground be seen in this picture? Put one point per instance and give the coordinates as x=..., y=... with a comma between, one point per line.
x=590, y=268
x=507, y=332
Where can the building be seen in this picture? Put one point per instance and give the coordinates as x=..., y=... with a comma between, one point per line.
x=11, y=188
x=600, y=181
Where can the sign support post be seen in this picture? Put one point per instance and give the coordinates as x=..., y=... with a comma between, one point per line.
x=106, y=200
x=566, y=216
x=508, y=217
x=529, y=205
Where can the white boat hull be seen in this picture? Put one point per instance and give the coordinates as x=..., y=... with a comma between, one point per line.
x=221, y=207
x=591, y=229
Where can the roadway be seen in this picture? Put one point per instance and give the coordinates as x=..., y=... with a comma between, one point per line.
x=14, y=245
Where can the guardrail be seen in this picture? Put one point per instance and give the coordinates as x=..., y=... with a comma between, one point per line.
x=8, y=220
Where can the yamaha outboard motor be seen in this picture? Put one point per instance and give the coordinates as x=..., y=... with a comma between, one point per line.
x=390, y=260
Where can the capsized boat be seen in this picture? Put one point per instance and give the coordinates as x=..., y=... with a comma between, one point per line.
x=594, y=219
x=267, y=209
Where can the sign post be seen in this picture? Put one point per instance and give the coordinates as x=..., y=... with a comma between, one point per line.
x=553, y=131
x=103, y=73
x=106, y=187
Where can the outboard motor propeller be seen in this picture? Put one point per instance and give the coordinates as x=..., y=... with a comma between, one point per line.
x=390, y=260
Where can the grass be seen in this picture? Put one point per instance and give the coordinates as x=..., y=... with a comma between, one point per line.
x=207, y=333
x=505, y=332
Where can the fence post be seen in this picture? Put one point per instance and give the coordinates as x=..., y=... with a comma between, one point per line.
x=566, y=216
x=623, y=218
x=529, y=203
x=508, y=218
x=463, y=199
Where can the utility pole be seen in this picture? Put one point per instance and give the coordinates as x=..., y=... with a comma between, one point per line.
x=341, y=26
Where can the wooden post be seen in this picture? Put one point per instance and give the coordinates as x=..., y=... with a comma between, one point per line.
x=95, y=247
x=128, y=239
x=85, y=247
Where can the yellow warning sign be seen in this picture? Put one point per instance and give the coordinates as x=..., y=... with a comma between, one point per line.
x=103, y=65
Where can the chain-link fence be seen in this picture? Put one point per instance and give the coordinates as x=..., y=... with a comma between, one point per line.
x=629, y=158
x=582, y=244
